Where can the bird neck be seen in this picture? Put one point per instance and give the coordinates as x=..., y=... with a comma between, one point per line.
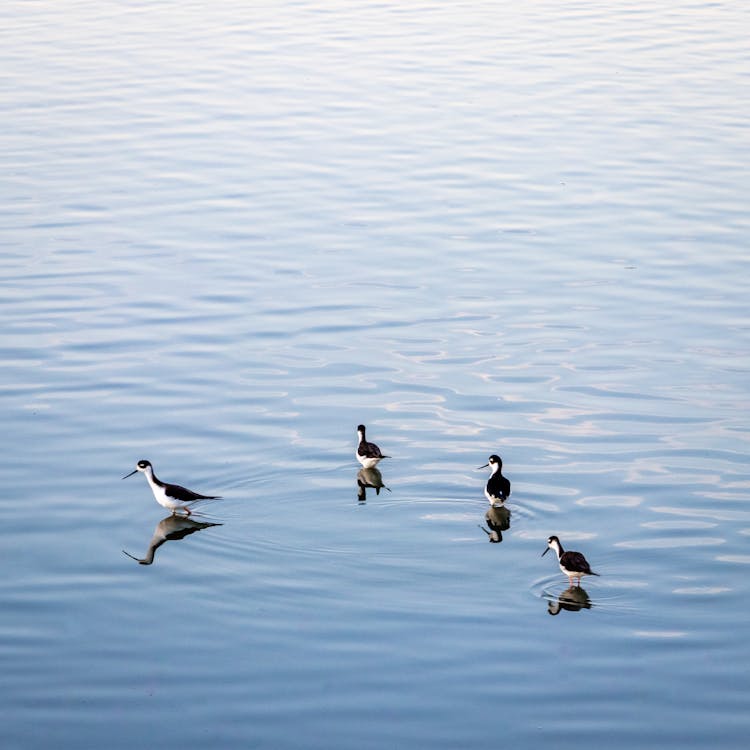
x=152, y=479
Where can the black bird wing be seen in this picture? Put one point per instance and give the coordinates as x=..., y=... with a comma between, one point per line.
x=506, y=486
x=184, y=495
x=498, y=487
x=369, y=450
x=575, y=561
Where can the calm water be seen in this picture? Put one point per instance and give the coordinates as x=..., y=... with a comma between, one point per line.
x=231, y=233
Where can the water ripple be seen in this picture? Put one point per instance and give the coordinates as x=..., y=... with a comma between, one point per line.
x=232, y=232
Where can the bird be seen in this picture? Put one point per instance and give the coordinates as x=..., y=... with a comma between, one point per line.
x=169, y=496
x=572, y=564
x=368, y=454
x=497, y=488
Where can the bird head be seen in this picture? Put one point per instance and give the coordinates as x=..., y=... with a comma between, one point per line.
x=552, y=543
x=142, y=465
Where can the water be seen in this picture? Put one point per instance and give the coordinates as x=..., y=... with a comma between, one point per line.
x=232, y=233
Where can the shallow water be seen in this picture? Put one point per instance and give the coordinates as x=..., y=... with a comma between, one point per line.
x=232, y=234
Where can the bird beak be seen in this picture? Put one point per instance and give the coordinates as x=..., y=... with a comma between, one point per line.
x=546, y=551
x=482, y=467
x=135, y=471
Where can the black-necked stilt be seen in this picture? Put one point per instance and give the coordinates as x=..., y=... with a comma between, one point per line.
x=168, y=530
x=170, y=496
x=572, y=564
x=497, y=488
x=368, y=454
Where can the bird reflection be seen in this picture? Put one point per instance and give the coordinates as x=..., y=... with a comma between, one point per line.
x=369, y=478
x=494, y=537
x=498, y=520
x=170, y=529
x=574, y=599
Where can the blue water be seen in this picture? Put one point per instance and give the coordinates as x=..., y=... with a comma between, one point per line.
x=233, y=232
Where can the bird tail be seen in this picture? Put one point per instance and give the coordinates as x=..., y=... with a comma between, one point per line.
x=200, y=498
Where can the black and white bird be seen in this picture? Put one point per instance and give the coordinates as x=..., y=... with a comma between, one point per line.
x=497, y=488
x=368, y=454
x=169, y=496
x=572, y=564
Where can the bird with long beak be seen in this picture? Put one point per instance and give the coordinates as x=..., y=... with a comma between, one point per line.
x=170, y=496
x=497, y=488
x=572, y=564
x=368, y=454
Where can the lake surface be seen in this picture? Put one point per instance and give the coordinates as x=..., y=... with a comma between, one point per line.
x=232, y=232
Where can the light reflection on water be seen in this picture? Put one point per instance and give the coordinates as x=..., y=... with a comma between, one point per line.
x=233, y=233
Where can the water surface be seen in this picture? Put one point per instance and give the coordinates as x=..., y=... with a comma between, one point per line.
x=233, y=233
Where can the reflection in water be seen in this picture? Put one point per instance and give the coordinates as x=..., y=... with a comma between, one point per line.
x=498, y=520
x=369, y=477
x=494, y=536
x=170, y=529
x=574, y=599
